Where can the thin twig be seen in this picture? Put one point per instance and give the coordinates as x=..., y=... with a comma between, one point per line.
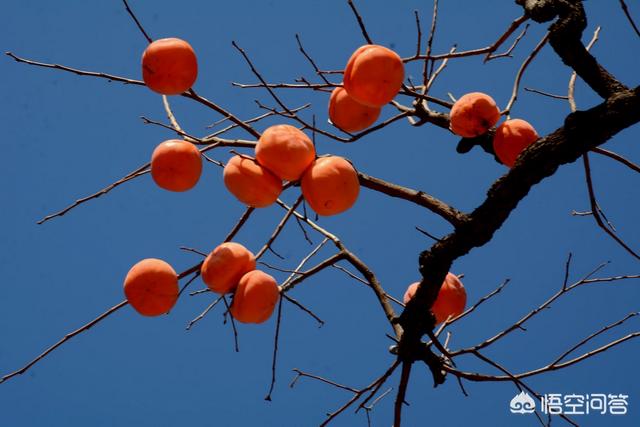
x=419, y=32
x=523, y=67
x=625, y=9
x=550, y=95
x=592, y=336
x=233, y=324
x=311, y=61
x=132, y=175
x=135, y=19
x=489, y=49
x=245, y=216
x=377, y=383
x=432, y=32
x=191, y=94
x=617, y=157
x=278, y=229
x=363, y=29
x=491, y=56
x=596, y=211
x=189, y=282
x=402, y=391
x=275, y=352
x=303, y=308
x=204, y=313
x=63, y=340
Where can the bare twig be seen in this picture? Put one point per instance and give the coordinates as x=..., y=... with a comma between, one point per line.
x=191, y=94
x=376, y=384
x=625, y=9
x=278, y=228
x=449, y=213
x=275, y=352
x=135, y=19
x=132, y=175
x=78, y=72
x=233, y=324
x=419, y=32
x=303, y=308
x=245, y=216
x=523, y=67
x=491, y=56
x=550, y=95
x=363, y=29
x=485, y=50
x=311, y=61
x=596, y=211
x=63, y=340
x=562, y=291
x=402, y=391
x=592, y=336
x=477, y=304
x=204, y=313
x=617, y=157
x=432, y=32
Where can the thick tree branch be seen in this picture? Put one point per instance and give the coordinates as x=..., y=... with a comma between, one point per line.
x=565, y=38
x=583, y=131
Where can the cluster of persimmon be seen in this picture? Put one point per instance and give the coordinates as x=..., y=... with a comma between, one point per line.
x=151, y=286
x=231, y=268
x=372, y=78
x=475, y=113
x=170, y=67
x=284, y=153
x=450, y=302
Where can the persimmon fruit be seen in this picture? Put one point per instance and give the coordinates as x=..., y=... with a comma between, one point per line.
x=286, y=151
x=151, y=287
x=251, y=183
x=255, y=298
x=176, y=165
x=225, y=265
x=373, y=75
x=330, y=185
x=473, y=115
x=348, y=114
x=169, y=66
x=451, y=300
x=511, y=138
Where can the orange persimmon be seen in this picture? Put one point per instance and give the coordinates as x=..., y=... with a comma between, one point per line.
x=451, y=299
x=286, y=151
x=330, y=185
x=251, y=183
x=225, y=265
x=473, y=115
x=255, y=298
x=176, y=165
x=511, y=138
x=348, y=114
x=373, y=75
x=169, y=66
x=151, y=287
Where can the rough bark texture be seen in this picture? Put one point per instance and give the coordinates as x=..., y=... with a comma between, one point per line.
x=582, y=131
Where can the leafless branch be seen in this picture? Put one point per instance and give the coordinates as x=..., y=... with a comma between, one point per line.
x=135, y=19
x=485, y=50
x=66, y=338
x=625, y=9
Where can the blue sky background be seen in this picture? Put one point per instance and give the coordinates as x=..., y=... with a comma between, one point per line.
x=67, y=136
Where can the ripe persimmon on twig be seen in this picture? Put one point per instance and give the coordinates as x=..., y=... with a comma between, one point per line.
x=286, y=166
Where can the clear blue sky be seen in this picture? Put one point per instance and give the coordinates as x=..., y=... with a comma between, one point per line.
x=67, y=136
